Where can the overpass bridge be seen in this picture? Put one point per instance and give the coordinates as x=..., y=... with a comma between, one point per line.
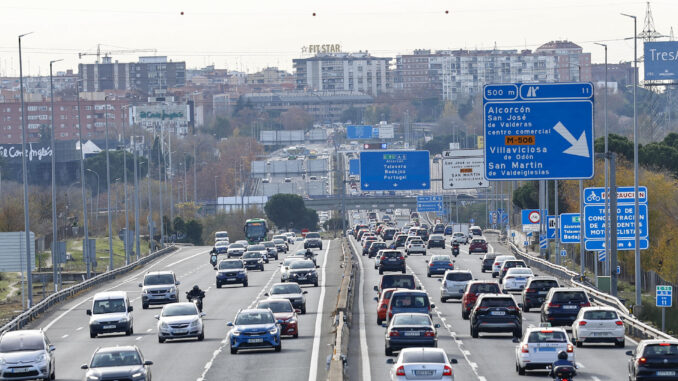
x=388, y=202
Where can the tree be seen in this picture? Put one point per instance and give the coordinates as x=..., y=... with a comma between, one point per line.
x=286, y=210
x=334, y=223
x=296, y=118
x=194, y=232
x=527, y=196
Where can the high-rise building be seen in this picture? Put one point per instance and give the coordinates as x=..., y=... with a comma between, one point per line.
x=150, y=76
x=573, y=64
x=343, y=72
x=421, y=72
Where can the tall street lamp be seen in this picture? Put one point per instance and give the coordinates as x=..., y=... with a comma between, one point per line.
x=24, y=167
x=55, y=239
x=85, y=248
x=124, y=171
x=636, y=216
x=97, y=175
x=607, y=163
x=108, y=189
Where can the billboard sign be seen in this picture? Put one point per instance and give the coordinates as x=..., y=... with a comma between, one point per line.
x=661, y=60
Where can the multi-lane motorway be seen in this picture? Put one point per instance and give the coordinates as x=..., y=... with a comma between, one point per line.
x=303, y=358
x=490, y=357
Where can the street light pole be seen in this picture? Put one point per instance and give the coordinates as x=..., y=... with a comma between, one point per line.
x=85, y=248
x=124, y=171
x=108, y=190
x=24, y=167
x=97, y=175
x=215, y=188
x=136, y=200
x=636, y=218
x=55, y=239
x=195, y=181
x=607, y=164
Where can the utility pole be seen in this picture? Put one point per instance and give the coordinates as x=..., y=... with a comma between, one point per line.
x=85, y=247
x=195, y=181
x=136, y=200
x=108, y=190
x=124, y=172
x=55, y=259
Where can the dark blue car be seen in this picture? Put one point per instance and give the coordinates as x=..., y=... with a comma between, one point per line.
x=439, y=264
x=448, y=230
x=409, y=301
x=254, y=329
x=231, y=271
x=410, y=330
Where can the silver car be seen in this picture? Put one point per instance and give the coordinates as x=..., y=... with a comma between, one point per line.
x=26, y=355
x=180, y=321
x=422, y=364
x=118, y=363
x=453, y=284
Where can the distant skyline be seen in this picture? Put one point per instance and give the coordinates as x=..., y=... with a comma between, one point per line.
x=248, y=36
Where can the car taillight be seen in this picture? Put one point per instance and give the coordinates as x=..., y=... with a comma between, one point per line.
x=509, y=277
x=642, y=360
x=585, y=304
x=430, y=334
x=496, y=263
x=390, y=314
x=430, y=264
x=582, y=323
x=401, y=257
x=394, y=333
x=570, y=348
x=447, y=371
x=529, y=290
x=400, y=371
x=619, y=322
x=451, y=264
x=524, y=349
x=512, y=308
x=554, y=305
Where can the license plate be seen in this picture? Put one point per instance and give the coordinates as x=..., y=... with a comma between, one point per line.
x=666, y=373
x=255, y=340
x=543, y=292
x=498, y=313
x=19, y=370
x=391, y=260
x=427, y=372
x=108, y=327
x=547, y=349
x=412, y=333
x=230, y=279
x=180, y=331
x=599, y=333
x=569, y=307
x=301, y=278
x=520, y=279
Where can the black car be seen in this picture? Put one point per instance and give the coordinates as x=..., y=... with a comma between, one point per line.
x=439, y=229
x=387, y=234
x=536, y=289
x=436, y=240
x=410, y=330
x=654, y=360
x=392, y=260
x=488, y=261
x=496, y=313
x=423, y=233
x=399, y=240
x=231, y=271
x=375, y=247
x=561, y=305
x=303, y=272
x=253, y=260
x=313, y=240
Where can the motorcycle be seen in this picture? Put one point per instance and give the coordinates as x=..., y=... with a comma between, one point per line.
x=564, y=373
x=197, y=300
x=455, y=249
x=213, y=260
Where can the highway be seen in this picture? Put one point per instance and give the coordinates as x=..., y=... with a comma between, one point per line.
x=490, y=357
x=67, y=326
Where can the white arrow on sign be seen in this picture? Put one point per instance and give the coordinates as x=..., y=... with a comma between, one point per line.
x=579, y=146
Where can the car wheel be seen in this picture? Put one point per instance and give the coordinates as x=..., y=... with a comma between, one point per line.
x=526, y=308
x=388, y=351
x=315, y=284
x=303, y=309
x=245, y=283
x=620, y=344
x=381, y=271
x=403, y=271
x=202, y=336
x=443, y=247
x=493, y=276
x=379, y=321
x=234, y=350
x=464, y=315
x=261, y=268
x=428, y=274
x=321, y=247
x=278, y=347
x=474, y=333
x=128, y=332
x=521, y=370
x=160, y=340
x=218, y=285
x=579, y=343
x=144, y=306
x=296, y=335
x=92, y=334
x=52, y=375
x=518, y=333
x=443, y=300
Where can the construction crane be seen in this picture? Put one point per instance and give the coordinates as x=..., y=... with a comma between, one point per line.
x=108, y=53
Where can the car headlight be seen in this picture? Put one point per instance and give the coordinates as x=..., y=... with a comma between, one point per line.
x=292, y=321
x=144, y=291
x=123, y=320
x=260, y=260
x=138, y=375
x=273, y=330
x=312, y=272
x=235, y=332
x=172, y=290
x=194, y=323
x=93, y=378
x=164, y=325
x=40, y=358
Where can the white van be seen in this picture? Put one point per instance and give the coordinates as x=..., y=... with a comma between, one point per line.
x=221, y=236
x=111, y=312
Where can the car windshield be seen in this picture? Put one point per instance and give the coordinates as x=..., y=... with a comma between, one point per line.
x=302, y=265
x=285, y=289
x=221, y=244
x=409, y=301
x=313, y=235
x=230, y=265
x=247, y=318
x=391, y=254
x=600, y=315
x=268, y=244
x=569, y=296
x=117, y=358
x=221, y=235
x=176, y=309
x=459, y=277
x=425, y=357
x=18, y=343
x=256, y=247
x=479, y=241
x=662, y=349
x=416, y=242
x=498, y=302
x=396, y=281
x=287, y=261
x=519, y=271
x=405, y=319
x=278, y=241
x=441, y=258
x=436, y=238
x=108, y=306
x=277, y=306
x=251, y=254
x=236, y=246
x=547, y=336
x=156, y=279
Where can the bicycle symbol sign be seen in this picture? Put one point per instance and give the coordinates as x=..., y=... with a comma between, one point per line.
x=535, y=217
x=593, y=197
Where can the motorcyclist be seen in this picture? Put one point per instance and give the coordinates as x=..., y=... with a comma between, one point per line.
x=309, y=255
x=562, y=361
x=213, y=258
x=196, y=293
x=455, y=248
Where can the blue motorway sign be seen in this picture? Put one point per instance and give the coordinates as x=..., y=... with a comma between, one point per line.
x=354, y=167
x=594, y=218
x=429, y=203
x=664, y=296
x=570, y=228
x=602, y=256
x=543, y=242
x=622, y=244
x=551, y=224
x=531, y=220
x=563, y=253
x=661, y=60
x=360, y=132
x=394, y=170
x=532, y=129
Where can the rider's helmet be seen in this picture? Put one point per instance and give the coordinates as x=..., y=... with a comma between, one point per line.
x=196, y=288
x=562, y=355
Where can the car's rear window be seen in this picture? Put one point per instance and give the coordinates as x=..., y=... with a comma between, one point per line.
x=600, y=315
x=543, y=283
x=478, y=241
x=409, y=301
x=484, y=288
x=547, y=336
x=498, y=302
x=459, y=277
x=569, y=296
x=406, y=281
x=313, y=235
x=390, y=254
x=407, y=319
x=662, y=349
x=441, y=258
x=426, y=357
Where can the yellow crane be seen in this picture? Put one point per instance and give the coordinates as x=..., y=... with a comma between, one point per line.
x=108, y=53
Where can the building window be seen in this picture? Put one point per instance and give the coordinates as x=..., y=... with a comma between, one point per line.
x=32, y=108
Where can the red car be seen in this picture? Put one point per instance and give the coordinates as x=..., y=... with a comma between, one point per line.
x=282, y=310
x=473, y=290
x=382, y=305
x=478, y=245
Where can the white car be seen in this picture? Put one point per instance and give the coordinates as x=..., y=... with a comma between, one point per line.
x=29, y=352
x=235, y=250
x=111, y=312
x=453, y=284
x=415, y=246
x=540, y=346
x=421, y=364
x=516, y=278
x=377, y=259
x=459, y=238
x=179, y=321
x=598, y=325
x=498, y=262
x=285, y=267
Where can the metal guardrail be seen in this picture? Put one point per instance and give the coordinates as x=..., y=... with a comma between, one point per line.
x=343, y=318
x=634, y=327
x=30, y=314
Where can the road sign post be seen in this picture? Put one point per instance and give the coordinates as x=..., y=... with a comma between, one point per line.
x=394, y=170
x=664, y=299
x=429, y=203
x=531, y=219
x=532, y=129
x=464, y=169
x=594, y=217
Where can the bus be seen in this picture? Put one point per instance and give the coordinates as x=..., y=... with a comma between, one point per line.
x=255, y=230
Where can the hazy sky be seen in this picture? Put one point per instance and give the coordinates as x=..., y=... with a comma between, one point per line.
x=250, y=35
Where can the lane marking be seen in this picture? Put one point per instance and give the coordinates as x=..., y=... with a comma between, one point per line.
x=365, y=355
x=64, y=336
x=139, y=338
x=187, y=258
x=79, y=328
x=313, y=371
